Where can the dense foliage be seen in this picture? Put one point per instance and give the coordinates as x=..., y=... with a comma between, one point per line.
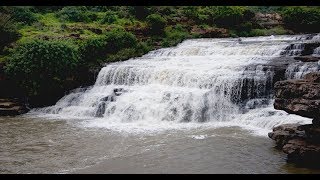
x=40, y=67
x=156, y=23
x=302, y=19
x=96, y=49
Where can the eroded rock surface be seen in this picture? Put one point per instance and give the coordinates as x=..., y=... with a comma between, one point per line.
x=301, y=97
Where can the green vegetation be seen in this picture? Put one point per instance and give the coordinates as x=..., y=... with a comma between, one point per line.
x=156, y=23
x=302, y=19
x=40, y=67
x=96, y=49
x=42, y=46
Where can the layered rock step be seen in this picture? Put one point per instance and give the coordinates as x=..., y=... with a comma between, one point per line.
x=300, y=97
x=11, y=107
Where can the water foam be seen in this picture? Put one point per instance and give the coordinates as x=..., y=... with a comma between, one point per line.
x=199, y=83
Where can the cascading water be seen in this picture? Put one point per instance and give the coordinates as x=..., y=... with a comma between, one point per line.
x=217, y=81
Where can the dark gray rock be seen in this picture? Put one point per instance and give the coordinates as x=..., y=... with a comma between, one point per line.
x=108, y=98
x=101, y=109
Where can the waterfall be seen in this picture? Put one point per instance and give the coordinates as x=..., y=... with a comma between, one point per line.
x=200, y=81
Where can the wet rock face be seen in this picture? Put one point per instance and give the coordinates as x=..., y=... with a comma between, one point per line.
x=301, y=97
x=307, y=58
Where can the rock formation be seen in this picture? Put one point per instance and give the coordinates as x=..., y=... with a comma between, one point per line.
x=11, y=107
x=301, y=97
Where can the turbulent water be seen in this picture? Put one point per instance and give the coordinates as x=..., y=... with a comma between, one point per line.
x=217, y=81
x=204, y=106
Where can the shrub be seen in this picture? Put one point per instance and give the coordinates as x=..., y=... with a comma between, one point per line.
x=175, y=35
x=109, y=18
x=166, y=10
x=39, y=67
x=302, y=19
x=198, y=14
x=230, y=16
x=23, y=15
x=96, y=49
x=92, y=16
x=156, y=23
x=73, y=14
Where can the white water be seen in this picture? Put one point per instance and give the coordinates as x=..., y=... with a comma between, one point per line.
x=200, y=83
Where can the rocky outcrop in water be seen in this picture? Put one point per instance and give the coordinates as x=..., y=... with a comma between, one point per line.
x=301, y=97
x=106, y=100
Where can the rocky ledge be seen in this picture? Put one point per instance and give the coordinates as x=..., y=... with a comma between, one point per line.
x=300, y=97
x=11, y=107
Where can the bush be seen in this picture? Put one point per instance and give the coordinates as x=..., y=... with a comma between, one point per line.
x=156, y=23
x=166, y=10
x=23, y=15
x=96, y=49
x=39, y=67
x=230, y=16
x=109, y=18
x=302, y=19
x=118, y=39
x=198, y=14
x=74, y=14
x=175, y=35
